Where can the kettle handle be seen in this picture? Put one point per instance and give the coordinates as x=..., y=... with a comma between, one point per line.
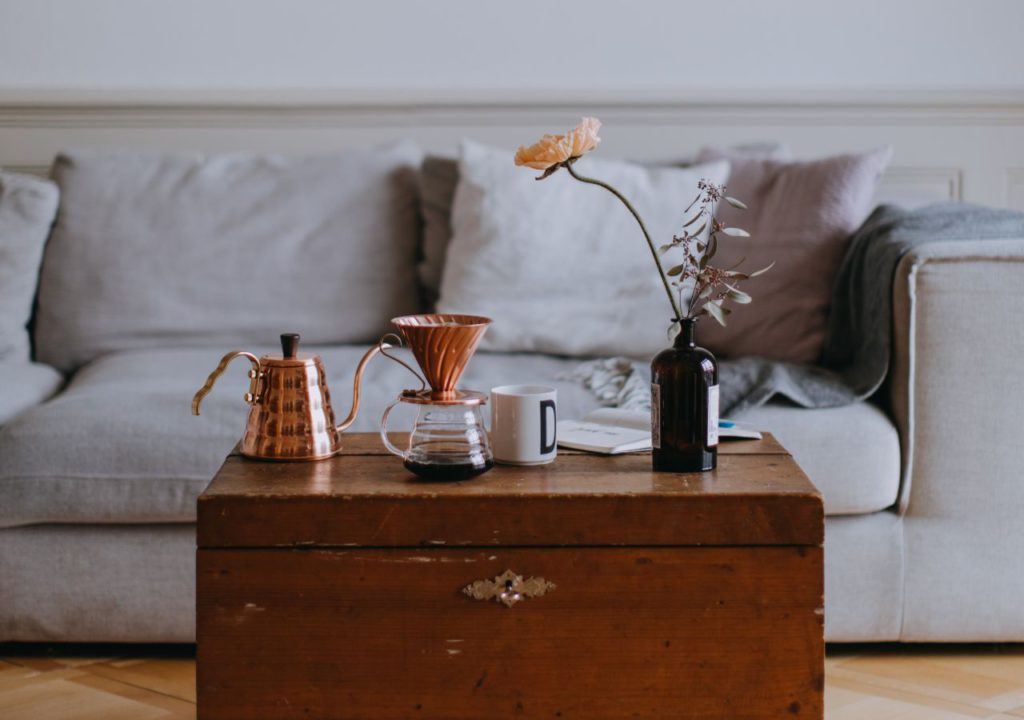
x=251, y=397
x=384, y=431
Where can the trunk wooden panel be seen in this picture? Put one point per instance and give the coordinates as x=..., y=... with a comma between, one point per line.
x=579, y=500
x=713, y=632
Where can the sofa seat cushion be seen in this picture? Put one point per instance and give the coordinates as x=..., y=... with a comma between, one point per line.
x=24, y=385
x=120, y=445
x=851, y=453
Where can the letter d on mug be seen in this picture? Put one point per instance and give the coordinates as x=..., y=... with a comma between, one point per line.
x=523, y=419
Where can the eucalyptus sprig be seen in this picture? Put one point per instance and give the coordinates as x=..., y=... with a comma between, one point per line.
x=708, y=287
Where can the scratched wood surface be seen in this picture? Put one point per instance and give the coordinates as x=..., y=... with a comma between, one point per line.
x=367, y=498
x=626, y=633
x=370, y=444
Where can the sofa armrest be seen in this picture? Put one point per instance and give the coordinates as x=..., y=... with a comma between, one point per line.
x=956, y=388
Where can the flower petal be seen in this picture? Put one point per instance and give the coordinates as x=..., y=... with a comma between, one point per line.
x=549, y=150
x=583, y=138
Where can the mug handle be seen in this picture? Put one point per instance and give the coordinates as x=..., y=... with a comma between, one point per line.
x=384, y=431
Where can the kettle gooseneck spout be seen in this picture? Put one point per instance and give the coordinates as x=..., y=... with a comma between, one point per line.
x=344, y=424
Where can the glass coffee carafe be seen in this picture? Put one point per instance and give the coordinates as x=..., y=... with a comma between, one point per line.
x=448, y=440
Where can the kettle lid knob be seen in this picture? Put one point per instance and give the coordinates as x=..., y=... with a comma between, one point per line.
x=289, y=344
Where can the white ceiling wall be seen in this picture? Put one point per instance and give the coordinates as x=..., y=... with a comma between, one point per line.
x=469, y=45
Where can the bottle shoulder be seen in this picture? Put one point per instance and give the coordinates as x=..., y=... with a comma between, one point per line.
x=694, y=354
x=693, y=359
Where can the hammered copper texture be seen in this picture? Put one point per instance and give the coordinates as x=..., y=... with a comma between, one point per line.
x=293, y=419
x=442, y=343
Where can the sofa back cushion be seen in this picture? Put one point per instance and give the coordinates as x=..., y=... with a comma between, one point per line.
x=27, y=208
x=801, y=216
x=165, y=250
x=562, y=266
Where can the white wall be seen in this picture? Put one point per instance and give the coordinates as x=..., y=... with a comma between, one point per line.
x=471, y=45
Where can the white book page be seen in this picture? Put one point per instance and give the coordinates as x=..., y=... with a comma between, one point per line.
x=620, y=418
x=602, y=438
x=642, y=421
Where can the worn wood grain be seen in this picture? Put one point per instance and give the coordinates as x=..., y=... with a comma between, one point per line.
x=370, y=444
x=582, y=499
x=627, y=633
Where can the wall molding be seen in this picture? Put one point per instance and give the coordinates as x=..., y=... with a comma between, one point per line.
x=939, y=182
x=951, y=145
x=331, y=108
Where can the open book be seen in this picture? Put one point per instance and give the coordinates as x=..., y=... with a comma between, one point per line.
x=611, y=431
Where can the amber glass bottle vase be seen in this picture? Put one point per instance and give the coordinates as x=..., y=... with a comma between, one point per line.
x=684, y=405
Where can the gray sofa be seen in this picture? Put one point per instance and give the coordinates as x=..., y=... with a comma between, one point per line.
x=98, y=478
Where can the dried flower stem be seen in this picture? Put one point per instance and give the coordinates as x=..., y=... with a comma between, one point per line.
x=698, y=286
x=647, y=236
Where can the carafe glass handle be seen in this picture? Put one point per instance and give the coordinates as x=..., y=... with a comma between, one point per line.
x=384, y=431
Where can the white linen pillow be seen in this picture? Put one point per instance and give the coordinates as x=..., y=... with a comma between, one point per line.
x=561, y=266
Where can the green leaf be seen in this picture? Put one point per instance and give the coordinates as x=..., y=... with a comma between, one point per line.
x=674, y=329
x=735, y=203
x=735, y=232
x=700, y=230
x=673, y=271
x=692, y=220
x=701, y=247
x=706, y=292
x=714, y=309
x=692, y=204
x=763, y=270
x=664, y=248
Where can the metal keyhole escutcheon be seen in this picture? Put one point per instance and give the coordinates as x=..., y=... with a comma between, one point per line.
x=508, y=588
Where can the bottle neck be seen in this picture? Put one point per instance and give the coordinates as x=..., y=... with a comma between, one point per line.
x=685, y=338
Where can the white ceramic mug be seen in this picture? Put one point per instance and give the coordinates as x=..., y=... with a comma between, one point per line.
x=523, y=421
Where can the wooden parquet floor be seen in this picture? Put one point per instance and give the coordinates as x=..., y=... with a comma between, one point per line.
x=863, y=682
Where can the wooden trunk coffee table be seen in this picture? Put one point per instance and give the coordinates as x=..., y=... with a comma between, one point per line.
x=590, y=588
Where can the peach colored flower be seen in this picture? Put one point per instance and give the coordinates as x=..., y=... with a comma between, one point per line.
x=553, y=150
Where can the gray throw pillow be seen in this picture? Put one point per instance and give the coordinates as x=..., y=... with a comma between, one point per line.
x=438, y=178
x=167, y=250
x=27, y=207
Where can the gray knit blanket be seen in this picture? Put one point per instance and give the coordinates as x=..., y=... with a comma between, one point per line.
x=855, y=358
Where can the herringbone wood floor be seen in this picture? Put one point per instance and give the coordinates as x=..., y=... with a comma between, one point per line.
x=868, y=682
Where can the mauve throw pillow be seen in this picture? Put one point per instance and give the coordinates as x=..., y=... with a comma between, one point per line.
x=27, y=207
x=560, y=266
x=801, y=217
x=226, y=251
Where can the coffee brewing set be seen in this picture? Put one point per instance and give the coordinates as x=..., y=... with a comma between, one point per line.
x=291, y=417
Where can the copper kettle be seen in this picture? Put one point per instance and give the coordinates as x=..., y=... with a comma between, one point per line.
x=291, y=416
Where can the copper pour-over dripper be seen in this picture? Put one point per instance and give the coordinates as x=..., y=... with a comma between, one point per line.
x=443, y=344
